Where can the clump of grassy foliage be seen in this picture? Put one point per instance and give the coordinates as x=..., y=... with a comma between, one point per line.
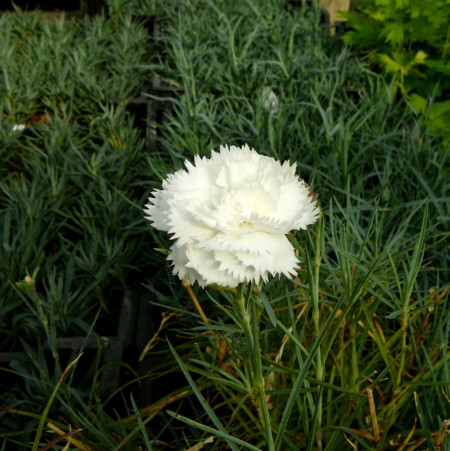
x=354, y=350
x=71, y=189
x=69, y=197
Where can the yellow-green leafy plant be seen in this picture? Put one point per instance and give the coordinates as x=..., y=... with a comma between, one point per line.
x=410, y=41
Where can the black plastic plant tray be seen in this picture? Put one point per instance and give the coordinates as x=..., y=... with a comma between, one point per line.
x=90, y=7
x=114, y=346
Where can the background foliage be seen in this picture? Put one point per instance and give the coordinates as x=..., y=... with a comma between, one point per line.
x=355, y=349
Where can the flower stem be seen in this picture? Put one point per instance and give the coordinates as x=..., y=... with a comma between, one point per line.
x=188, y=287
x=250, y=315
x=316, y=322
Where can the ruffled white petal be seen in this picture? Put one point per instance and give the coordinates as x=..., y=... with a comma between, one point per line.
x=181, y=265
x=279, y=259
x=209, y=268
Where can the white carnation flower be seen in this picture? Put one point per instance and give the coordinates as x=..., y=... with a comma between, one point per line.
x=229, y=216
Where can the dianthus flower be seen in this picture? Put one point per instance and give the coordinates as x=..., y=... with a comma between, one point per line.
x=229, y=215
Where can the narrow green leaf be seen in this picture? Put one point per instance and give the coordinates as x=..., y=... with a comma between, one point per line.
x=229, y=438
x=423, y=422
x=354, y=435
x=268, y=308
x=43, y=419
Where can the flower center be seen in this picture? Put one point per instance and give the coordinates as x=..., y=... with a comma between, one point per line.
x=246, y=226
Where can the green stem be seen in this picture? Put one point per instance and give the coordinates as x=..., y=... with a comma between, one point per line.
x=355, y=386
x=250, y=315
x=316, y=322
x=404, y=331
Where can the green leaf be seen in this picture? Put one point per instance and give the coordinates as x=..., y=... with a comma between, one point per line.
x=389, y=65
x=420, y=57
x=418, y=103
x=394, y=33
x=229, y=438
x=378, y=15
x=268, y=308
x=439, y=65
x=438, y=109
x=423, y=422
x=439, y=118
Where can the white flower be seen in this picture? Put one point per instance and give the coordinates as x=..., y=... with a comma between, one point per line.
x=229, y=216
x=18, y=127
x=270, y=100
